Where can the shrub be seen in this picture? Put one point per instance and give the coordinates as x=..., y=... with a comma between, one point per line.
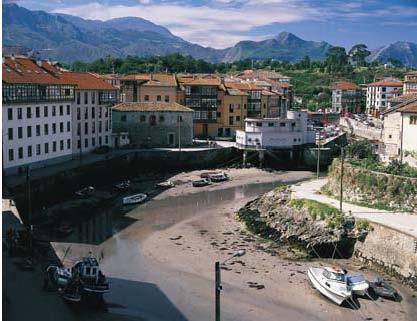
x=362, y=224
x=360, y=149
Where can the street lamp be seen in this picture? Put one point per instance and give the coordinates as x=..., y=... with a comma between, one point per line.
x=218, y=285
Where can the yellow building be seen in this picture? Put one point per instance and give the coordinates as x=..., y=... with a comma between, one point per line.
x=232, y=112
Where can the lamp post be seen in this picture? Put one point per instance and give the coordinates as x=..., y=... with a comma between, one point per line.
x=217, y=283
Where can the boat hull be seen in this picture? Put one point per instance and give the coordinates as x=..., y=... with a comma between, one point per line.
x=332, y=296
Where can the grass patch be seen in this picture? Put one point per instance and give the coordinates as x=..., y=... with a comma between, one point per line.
x=316, y=210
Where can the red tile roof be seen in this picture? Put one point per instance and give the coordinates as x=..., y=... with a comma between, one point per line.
x=241, y=85
x=410, y=108
x=346, y=85
x=199, y=81
x=386, y=83
x=87, y=81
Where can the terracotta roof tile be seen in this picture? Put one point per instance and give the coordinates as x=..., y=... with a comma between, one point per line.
x=410, y=108
x=86, y=80
x=152, y=106
x=241, y=85
x=346, y=85
x=386, y=83
x=199, y=81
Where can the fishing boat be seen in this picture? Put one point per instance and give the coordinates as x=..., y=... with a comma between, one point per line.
x=166, y=184
x=331, y=282
x=59, y=277
x=201, y=182
x=72, y=291
x=358, y=284
x=92, y=279
x=134, y=199
x=123, y=184
x=380, y=288
x=221, y=177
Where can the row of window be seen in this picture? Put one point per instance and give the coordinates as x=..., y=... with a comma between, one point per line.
x=201, y=90
x=93, y=112
x=211, y=115
x=158, y=98
x=93, y=98
x=93, y=127
x=36, y=92
x=413, y=120
x=270, y=124
x=93, y=142
x=54, y=130
x=46, y=150
x=19, y=111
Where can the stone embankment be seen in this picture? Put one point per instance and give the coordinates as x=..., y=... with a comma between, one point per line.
x=373, y=188
x=391, y=251
x=275, y=217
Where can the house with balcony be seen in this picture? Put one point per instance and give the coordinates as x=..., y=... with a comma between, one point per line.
x=410, y=83
x=379, y=93
x=346, y=97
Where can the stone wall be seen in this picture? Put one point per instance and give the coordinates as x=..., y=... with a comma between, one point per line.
x=391, y=251
x=373, y=188
x=356, y=128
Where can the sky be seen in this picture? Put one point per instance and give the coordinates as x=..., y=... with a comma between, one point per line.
x=223, y=23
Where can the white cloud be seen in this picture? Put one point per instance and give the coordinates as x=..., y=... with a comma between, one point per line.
x=214, y=26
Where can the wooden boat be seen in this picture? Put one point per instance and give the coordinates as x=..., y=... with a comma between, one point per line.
x=134, y=199
x=201, y=182
x=166, y=184
x=92, y=279
x=331, y=282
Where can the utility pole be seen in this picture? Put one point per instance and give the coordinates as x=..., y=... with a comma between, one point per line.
x=318, y=157
x=341, y=179
x=179, y=132
x=218, y=288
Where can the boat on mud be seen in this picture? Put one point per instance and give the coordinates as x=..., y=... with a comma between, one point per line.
x=93, y=281
x=134, y=199
x=125, y=184
x=201, y=182
x=331, y=282
x=166, y=184
x=380, y=288
x=57, y=276
x=219, y=177
x=72, y=292
x=358, y=284
x=85, y=192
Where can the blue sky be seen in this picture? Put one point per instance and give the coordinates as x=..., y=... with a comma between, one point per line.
x=222, y=23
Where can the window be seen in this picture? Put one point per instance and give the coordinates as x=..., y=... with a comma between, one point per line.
x=37, y=112
x=86, y=113
x=152, y=120
x=86, y=143
x=20, y=132
x=384, y=89
x=68, y=143
x=237, y=118
x=93, y=127
x=93, y=141
x=85, y=98
x=93, y=112
x=38, y=149
x=93, y=97
x=281, y=124
x=270, y=124
x=123, y=118
x=230, y=120
x=53, y=110
x=100, y=112
x=46, y=148
x=179, y=120
x=61, y=127
x=413, y=120
x=78, y=144
x=146, y=97
x=9, y=114
x=86, y=128
x=99, y=141
x=38, y=130
x=20, y=152
x=142, y=118
x=78, y=98
x=258, y=124
x=389, y=136
x=53, y=128
x=68, y=109
x=11, y=155
x=61, y=110
x=29, y=151
x=28, y=112
x=383, y=96
x=29, y=131
x=19, y=113
x=99, y=127
x=107, y=125
x=161, y=118
x=158, y=98
x=264, y=106
x=54, y=146
x=78, y=113
x=61, y=144
x=45, y=111
x=167, y=99
x=46, y=129
x=106, y=139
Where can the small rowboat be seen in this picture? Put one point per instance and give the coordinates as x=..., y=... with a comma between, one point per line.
x=134, y=199
x=201, y=182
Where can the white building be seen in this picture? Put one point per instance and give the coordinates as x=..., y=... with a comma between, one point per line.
x=91, y=111
x=410, y=83
x=36, y=115
x=276, y=133
x=346, y=97
x=379, y=93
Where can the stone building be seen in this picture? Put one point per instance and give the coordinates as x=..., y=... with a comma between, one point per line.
x=154, y=124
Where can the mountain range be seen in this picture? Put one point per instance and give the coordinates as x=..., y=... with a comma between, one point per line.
x=69, y=38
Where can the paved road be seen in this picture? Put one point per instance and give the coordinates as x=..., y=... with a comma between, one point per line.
x=403, y=222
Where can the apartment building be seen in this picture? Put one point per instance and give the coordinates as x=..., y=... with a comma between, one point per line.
x=379, y=93
x=276, y=133
x=410, y=83
x=37, y=114
x=203, y=94
x=91, y=112
x=154, y=124
x=149, y=88
x=232, y=113
x=254, y=97
x=346, y=97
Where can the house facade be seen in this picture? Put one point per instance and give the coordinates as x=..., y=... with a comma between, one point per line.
x=37, y=114
x=346, y=97
x=154, y=124
x=232, y=113
x=410, y=83
x=378, y=95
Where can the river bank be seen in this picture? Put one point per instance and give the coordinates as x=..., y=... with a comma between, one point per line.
x=160, y=258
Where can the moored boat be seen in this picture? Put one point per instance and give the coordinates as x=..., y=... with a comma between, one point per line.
x=166, y=184
x=331, y=282
x=201, y=182
x=125, y=184
x=358, y=284
x=221, y=177
x=90, y=276
x=59, y=277
x=134, y=199
x=86, y=191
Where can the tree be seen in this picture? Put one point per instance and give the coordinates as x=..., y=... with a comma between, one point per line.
x=336, y=59
x=360, y=149
x=359, y=53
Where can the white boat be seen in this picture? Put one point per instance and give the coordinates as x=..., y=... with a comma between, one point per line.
x=134, y=199
x=201, y=182
x=358, y=284
x=123, y=184
x=92, y=279
x=86, y=191
x=166, y=184
x=331, y=282
x=58, y=276
x=218, y=177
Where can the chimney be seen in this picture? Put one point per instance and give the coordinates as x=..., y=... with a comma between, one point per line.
x=39, y=63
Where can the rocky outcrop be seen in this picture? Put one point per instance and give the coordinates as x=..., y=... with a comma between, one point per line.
x=272, y=216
